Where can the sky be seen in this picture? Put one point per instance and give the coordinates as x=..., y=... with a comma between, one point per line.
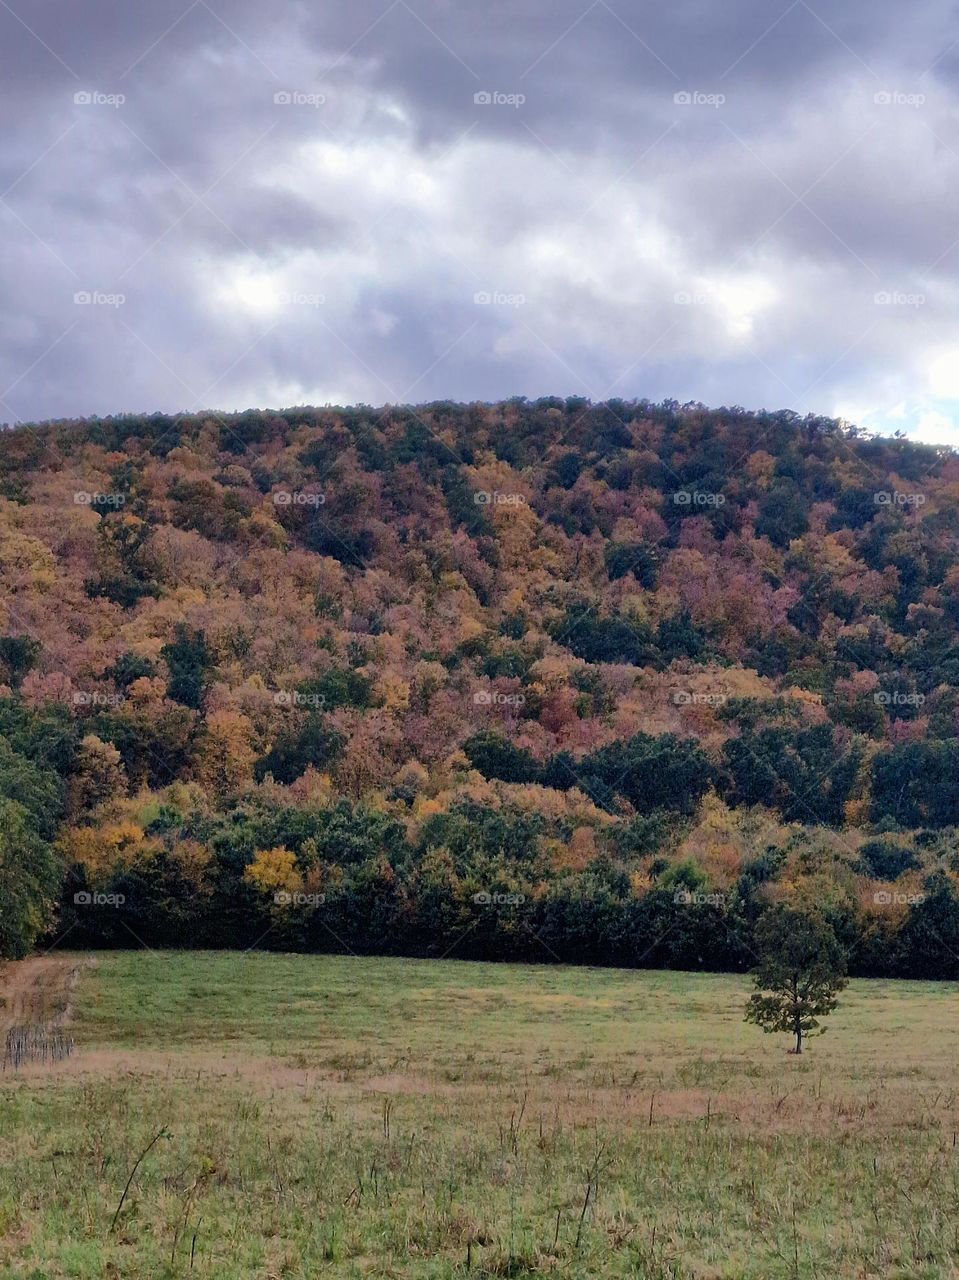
x=224, y=204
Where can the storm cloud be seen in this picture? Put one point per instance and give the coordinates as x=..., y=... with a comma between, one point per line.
x=224, y=205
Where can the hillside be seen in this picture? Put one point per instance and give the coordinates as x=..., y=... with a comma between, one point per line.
x=539, y=680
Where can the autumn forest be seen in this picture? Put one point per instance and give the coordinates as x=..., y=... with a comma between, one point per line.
x=541, y=680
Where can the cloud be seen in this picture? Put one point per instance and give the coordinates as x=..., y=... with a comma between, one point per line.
x=741, y=205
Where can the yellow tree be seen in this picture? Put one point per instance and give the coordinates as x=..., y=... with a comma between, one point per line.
x=223, y=762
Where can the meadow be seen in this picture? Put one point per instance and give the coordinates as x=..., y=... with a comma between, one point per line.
x=287, y=1116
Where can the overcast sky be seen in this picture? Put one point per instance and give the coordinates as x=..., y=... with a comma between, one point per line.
x=228, y=203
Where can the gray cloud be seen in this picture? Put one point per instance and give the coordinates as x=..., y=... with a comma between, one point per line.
x=738, y=204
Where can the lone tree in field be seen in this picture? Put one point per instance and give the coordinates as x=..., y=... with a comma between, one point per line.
x=801, y=970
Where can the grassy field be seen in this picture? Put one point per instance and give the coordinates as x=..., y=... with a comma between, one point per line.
x=347, y=1117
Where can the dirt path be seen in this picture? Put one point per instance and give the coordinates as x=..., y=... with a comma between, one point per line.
x=37, y=990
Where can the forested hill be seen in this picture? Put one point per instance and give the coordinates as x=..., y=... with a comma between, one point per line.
x=550, y=679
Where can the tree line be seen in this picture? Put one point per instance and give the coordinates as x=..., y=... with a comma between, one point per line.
x=679, y=666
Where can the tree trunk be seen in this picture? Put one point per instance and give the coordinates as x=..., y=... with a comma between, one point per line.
x=796, y=1012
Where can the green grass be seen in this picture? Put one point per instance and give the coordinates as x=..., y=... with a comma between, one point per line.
x=345, y=1117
